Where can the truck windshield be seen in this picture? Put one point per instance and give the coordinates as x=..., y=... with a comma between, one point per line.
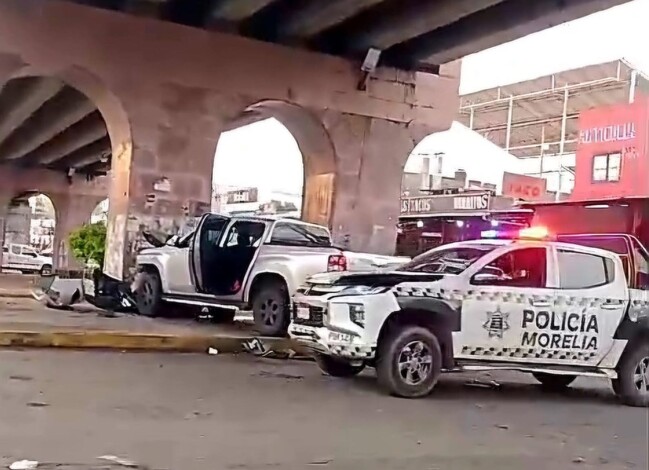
x=447, y=260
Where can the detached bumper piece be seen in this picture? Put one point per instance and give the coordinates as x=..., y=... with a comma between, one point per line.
x=109, y=293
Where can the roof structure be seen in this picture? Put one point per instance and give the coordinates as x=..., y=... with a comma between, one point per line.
x=540, y=117
x=411, y=34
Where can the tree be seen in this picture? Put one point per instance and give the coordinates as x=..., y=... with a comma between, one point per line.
x=88, y=243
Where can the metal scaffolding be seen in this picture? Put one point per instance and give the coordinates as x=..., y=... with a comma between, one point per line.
x=539, y=117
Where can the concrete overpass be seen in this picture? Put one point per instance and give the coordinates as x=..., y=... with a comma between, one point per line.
x=144, y=88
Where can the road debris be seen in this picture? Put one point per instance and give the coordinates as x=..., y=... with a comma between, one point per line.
x=492, y=384
x=255, y=346
x=22, y=378
x=119, y=461
x=279, y=375
x=321, y=462
x=38, y=404
x=24, y=465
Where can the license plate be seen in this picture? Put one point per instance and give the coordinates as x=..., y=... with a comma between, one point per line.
x=302, y=313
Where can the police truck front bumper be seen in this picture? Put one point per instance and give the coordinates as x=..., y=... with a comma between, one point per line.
x=341, y=326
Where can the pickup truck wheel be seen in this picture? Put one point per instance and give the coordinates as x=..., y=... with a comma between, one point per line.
x=270, y=309
x=149, y=295
x=337, y=368
x=409, y=362
x=554, y=382
x=633, y=376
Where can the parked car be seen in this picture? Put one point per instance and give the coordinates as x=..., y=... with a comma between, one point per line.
x=25, y=259
x=555, y=310
x=236, y=263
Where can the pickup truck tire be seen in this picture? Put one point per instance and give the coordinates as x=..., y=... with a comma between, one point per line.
x=632, y=383
x=270, y=308
x=46, y=269
x=149, y=295
x=337, y=368
x=554, y=382
x=409, y=361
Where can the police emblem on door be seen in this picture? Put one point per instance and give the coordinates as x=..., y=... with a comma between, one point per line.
x=497, y=323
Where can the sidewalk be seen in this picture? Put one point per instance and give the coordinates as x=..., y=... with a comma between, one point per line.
x=26, y=323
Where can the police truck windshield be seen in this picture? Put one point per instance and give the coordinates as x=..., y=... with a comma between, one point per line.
x=448, y=260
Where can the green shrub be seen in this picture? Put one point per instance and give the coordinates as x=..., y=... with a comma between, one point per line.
x=88, y=243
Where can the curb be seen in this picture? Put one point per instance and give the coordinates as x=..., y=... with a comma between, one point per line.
x=20, y=295
x=125, y=341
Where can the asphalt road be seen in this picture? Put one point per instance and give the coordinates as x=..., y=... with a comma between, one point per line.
x=186, y=412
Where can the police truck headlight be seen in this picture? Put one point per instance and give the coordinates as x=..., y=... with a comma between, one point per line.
x=364, y=290
x=357, y=314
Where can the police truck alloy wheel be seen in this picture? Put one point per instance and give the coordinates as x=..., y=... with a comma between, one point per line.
x=633, y=375
x=554, y=382
x=337, y=368
x=409, y=362
x=270, y=307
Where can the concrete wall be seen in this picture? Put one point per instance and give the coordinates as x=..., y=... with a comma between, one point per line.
x=167, y=92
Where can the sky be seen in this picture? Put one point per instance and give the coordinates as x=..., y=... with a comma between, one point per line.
x=265, y=154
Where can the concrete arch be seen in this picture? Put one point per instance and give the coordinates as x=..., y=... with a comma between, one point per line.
x=119, y=130
x=19, y=221
x=318, y=153
x=108, y=104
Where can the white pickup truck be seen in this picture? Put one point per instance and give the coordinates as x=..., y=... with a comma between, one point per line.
x=243, y=262
x=25, y=259
x=555, y=310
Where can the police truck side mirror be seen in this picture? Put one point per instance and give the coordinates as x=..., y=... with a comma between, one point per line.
x=485, y=278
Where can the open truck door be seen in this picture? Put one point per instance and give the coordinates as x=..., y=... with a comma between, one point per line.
x=204, y=243
x=223, y=252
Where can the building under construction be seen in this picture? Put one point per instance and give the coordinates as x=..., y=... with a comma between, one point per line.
x=539, y=119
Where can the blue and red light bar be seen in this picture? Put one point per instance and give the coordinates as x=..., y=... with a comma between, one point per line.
x=528, y=233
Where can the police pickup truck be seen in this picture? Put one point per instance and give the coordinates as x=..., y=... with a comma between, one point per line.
x=553, y=309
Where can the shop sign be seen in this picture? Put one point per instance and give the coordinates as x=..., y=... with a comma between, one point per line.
x=527, y=188
x=241, y=196
x=611, y=133
x=455, y=203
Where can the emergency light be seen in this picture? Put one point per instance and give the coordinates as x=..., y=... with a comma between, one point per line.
x=530, y=233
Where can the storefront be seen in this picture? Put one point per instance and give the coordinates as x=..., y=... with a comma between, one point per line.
x=611, y=192
x=435, y=219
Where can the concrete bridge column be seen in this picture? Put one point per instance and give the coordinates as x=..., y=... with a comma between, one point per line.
x=166, y=183
x=371, y=154
x=5, y=199
x=72, y=211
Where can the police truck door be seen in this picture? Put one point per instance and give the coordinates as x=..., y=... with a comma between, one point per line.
x=502, y=294
x=590, y=303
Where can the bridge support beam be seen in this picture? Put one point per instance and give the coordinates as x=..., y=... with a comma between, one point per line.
x=164, y=117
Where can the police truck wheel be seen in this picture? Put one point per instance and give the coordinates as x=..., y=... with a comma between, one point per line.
x=149, y=295
x=337, y=368
x=633, y=375
x=409, y=362
x=270, y=308
x=554, y=382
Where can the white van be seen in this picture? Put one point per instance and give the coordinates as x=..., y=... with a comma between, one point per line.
x=25, y=259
